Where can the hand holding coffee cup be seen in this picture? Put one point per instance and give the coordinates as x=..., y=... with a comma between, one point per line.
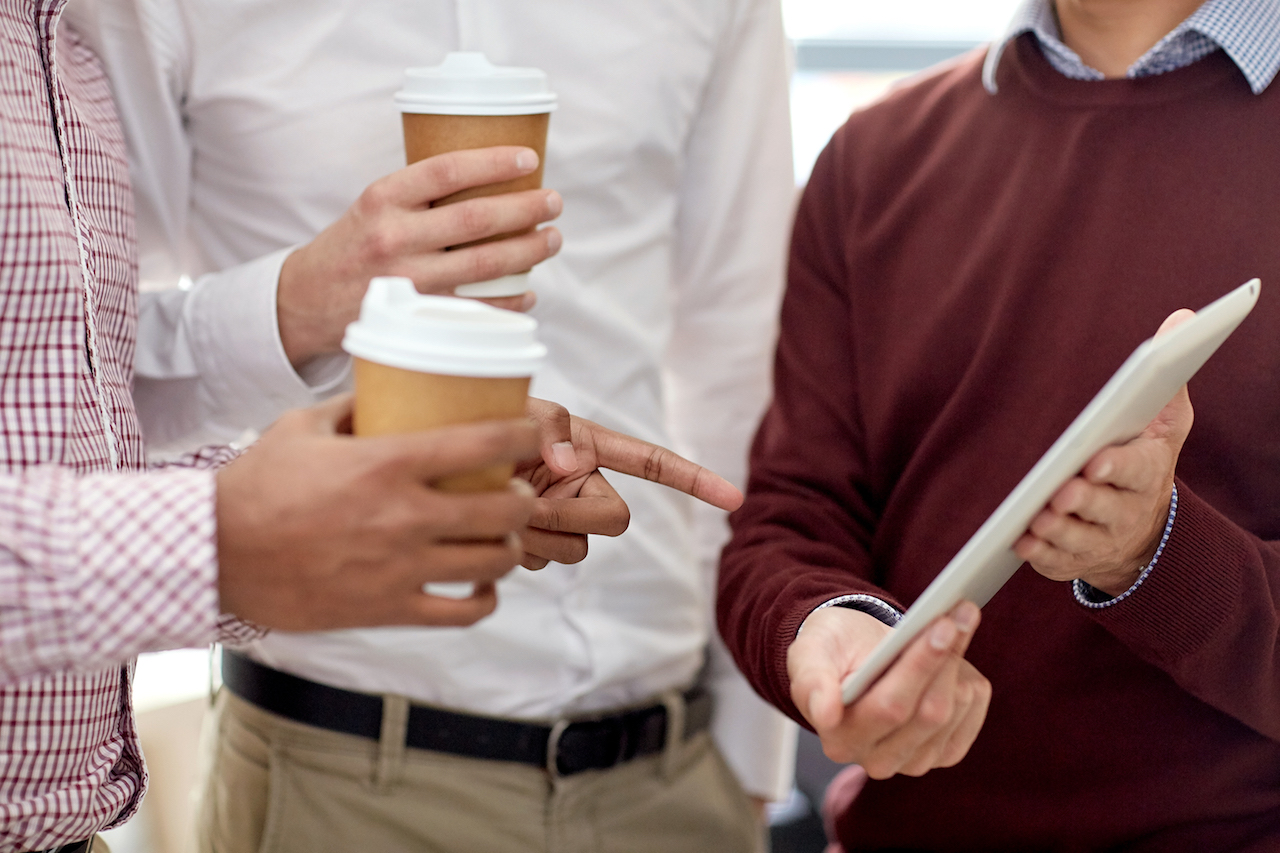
x=426, y=362
x=465, y=103
x=391, y=229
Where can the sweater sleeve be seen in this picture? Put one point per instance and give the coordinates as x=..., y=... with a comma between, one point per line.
x=802, y=538
x=1209, y=615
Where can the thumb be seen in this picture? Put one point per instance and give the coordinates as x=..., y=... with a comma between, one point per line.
x=1174, y=420
x=815, y=686
x=555, y=435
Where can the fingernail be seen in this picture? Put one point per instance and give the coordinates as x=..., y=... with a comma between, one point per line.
x=966, y=616
x=813, y=702
x=528, y=300
x=555, y=203
x=554, y=240
x=943, y=635
x=514, y=542
x=1104, y=469
x=522, y=487
x=526, y=160
x=566, y=457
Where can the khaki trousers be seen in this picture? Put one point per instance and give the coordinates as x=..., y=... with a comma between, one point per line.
x=276, y=786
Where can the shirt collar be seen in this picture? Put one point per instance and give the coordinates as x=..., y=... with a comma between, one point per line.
x=1247, y=31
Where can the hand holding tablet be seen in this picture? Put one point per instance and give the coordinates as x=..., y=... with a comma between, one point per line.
x=1121, y=411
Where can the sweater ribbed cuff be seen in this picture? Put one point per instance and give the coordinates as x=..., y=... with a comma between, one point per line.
x=1195, y=592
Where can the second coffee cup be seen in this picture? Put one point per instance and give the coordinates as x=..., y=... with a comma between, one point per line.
x=467, y=102
x=423, y=362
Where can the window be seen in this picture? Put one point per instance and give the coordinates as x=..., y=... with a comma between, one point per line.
x=848, y=53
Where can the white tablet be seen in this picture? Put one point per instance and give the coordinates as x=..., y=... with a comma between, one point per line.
x=1143, y=385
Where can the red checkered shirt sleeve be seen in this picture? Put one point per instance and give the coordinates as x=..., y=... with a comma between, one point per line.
x=231, y=631
x=97, y=568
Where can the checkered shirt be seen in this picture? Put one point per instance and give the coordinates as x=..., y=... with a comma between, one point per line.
x=98, y=561
x=1248, y=31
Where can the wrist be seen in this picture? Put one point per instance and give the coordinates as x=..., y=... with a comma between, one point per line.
x=305, y=332
x=1085, y=589
x=1115, y=583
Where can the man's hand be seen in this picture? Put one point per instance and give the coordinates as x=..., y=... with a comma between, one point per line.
x=318, y=530
x=393, y=230
x=575, y=500
x=1104, y=525
x=924, y=712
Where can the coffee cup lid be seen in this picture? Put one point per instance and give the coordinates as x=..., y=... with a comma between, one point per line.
x=468, y=84
x=400, y=327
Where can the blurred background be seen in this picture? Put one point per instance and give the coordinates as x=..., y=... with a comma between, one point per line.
x=847, y=54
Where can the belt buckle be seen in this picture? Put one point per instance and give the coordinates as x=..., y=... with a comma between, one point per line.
x=552, y=764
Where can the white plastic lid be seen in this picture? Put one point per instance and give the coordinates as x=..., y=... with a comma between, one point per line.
x=400, y=327
x=468, y=84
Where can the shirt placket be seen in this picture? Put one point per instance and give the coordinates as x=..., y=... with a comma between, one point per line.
x=48, y=14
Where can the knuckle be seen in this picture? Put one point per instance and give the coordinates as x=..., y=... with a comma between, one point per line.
x=444, y=173
x=374, y=199
x=445, y=515
x=484, y=264
x=950, y=756
x=838, y=752
x=934, y=711
x=653, y=465
x=916, y=768
x=473, y=219
x=383, y=244
x=576, y=551
x=888, y=712
x=550, y=516
x=621, y=522
x=880, y=767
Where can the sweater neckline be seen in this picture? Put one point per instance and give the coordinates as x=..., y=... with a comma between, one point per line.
x=1027, y=68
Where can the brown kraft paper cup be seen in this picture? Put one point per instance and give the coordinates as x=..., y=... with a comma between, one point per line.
x=426, y=362
x=428, y=135
x=391, y=400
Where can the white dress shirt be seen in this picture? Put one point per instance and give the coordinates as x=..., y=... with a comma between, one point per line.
x=255, y=123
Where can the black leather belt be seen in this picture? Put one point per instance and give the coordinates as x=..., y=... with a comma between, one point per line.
x=565, y=748
x=77, y=847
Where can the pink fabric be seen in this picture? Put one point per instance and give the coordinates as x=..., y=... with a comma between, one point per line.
x=98, y=561
x=840, y=794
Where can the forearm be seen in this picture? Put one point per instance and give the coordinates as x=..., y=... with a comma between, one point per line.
x=771, y=578
x=97, y=569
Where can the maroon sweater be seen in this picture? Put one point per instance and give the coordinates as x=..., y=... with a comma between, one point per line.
x=967, y=271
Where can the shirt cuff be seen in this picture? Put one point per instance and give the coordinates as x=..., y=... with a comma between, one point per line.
x=869, y=604
x=235, y=338
x=1096, y=599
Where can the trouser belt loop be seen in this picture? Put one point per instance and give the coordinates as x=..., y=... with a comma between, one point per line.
x=391, y=743
x=674, y=702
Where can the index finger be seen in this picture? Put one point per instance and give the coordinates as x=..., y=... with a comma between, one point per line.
x=421, y=183
x=657, y=464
